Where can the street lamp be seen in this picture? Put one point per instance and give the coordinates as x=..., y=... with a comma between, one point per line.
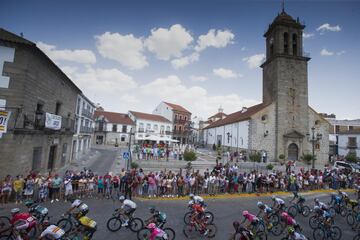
x=229, y=136
x=313, y=138
x=130, y=155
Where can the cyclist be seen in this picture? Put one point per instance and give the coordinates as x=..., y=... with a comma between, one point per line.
x=265, y=212
x=293, y=235
x=81, y=208
x=197, y=199
x=245, y=233
x=159, y=218
x=321, y=205
x=290, y=221
x=198, y=217
x=156, y=232
x=52, y=232
x=22, y=221
x=252, y=219
x=278, y=203
x=129, y=207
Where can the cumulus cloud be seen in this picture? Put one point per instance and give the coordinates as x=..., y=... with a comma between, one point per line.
x=103, y=81
x=214, y=38
x=125, y=49
x=255, y=60
x=308, y=35
x=172, y=89
x=184, y=61
x=327, y=27
x=327, y=53
x=225, y=73
x=167, y=43
x=78, y=55
x=195, y=78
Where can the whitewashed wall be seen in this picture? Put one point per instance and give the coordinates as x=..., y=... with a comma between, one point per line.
x=164, y=110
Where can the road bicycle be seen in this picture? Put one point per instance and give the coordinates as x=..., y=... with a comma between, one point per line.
x=194, y=230
x=299, y=209
x=114, y=223
x=187, y=217
x=327, y=231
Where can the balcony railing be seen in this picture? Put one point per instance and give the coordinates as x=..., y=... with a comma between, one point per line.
x=141, y=130
x=87, y=113
x=67, y=124
x=84, y=129
x=181, y=132
x=180, y=121
x=352, y=145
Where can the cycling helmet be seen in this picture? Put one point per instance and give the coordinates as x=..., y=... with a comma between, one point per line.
x=151, y=226
x=273, y=197
x=260, y=204
x=284, y=214
x=316, y=200
x=28, y=203
x=191, y=195
x=15, y=211
x=46, y=223
x=152, y=209
x=291, y=230
x=121, y=198
x=245, y=213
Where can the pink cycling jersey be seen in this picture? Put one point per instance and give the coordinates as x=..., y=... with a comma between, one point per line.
x=290, y=221
x=251, y=217
x=156, y=232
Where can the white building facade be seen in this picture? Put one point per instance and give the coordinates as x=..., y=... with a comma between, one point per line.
x=151, y=127
x=84, y=126
x=112, y=128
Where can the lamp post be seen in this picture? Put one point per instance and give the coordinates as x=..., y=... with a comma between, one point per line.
x=229, y=136
x=130, y=155
x=313, y=138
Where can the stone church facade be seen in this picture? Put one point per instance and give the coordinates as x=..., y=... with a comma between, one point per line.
x=284, y=122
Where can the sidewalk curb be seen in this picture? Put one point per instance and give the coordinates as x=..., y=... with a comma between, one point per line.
x=243, y=195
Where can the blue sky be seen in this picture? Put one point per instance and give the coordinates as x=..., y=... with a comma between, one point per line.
x=130, y=55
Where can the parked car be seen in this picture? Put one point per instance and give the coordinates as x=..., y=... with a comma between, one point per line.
x=345, y=165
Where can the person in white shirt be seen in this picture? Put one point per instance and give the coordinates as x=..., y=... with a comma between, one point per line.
x=197, y=199
x=52, y=232
x=278, y=203
x=129, y=207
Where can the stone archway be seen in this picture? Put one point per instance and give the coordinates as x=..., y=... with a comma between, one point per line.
x=293, y=152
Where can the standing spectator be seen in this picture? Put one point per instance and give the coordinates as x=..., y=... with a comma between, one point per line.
x=43, y=189
x=18, y=186
x=68, y=188
x=56, y=184
x=6, y=189
x=29, y=187
x=100, y=187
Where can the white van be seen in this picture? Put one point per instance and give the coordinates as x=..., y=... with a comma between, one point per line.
x=345, y=165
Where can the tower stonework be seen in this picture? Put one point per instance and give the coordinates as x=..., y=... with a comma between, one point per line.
x=285, y=83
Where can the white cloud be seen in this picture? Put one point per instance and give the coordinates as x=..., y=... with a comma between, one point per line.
x=341, y=52
x=167, y=43
x=308, y=35
x=325, y=52
x=327, y=27
x=125, y=49
x=195, y=78
x=103, y=81
x=184, y=61
x=77, y=55
x=255, y=60
x=214, y=38
x=129, y=99
x=225, y=73
x=172, y=89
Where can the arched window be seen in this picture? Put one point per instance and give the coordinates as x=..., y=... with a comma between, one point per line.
x=286, y=42
x=155, y=127
x=294, y=46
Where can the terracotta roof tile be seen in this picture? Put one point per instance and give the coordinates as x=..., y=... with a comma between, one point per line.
x=219, y=115
x=113, y=117
x=177, y=107
x=151, y=117
x=238, y=116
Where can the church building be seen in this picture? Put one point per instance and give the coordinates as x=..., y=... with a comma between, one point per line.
x=284, y=123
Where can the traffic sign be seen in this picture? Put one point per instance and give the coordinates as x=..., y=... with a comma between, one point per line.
x=126, y=155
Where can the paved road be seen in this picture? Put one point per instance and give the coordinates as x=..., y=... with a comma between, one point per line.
x=225, y=210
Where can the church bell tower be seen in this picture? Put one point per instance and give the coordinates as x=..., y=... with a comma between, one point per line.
x=285, y=83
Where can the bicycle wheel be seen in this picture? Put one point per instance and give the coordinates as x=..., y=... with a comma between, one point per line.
x=170, y=233
x=319, y=234
x=313, y=222
x=332, y=211
x=305, y=211
x=4, y=222
x=209, y=216
x=277, y=230
x=189, y=231
x=343, y=211
x=212, y=230
x=350, y=219
x=136, y=224
x=261, y=235
x=293, y=211
x=335, y=233
x=187, y=217
x=143, y=234
x=65, y=224
x=114, y=224
x=274, y=219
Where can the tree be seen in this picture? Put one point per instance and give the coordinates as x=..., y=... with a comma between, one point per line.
x=282, y=158
x=190, y=156
x=308, y=158
x=134, y=165
x=255, y=157
x=351, y=157
x=270, y=166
